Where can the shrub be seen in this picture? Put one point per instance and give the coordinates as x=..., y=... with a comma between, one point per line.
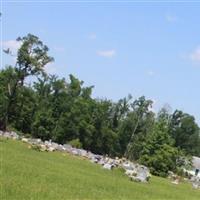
x=158, y=152
x=75, y=143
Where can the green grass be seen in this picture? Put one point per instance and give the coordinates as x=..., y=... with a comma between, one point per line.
x=30, y=175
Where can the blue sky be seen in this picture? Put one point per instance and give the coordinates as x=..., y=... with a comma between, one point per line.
x=150, y=49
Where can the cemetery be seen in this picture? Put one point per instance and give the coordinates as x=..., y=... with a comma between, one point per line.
x=99, y=100
x=134, y=171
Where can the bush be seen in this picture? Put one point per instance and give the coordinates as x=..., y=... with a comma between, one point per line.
x=158, y=152
x=75, y=143
x=161, y=161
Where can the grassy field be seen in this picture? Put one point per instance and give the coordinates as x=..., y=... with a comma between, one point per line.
x=30, y=175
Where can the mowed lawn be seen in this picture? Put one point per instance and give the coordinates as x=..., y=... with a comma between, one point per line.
x=30, y=175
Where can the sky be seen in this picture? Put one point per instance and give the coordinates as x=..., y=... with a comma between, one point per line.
x=149, y=48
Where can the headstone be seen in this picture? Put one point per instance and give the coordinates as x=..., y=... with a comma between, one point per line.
x=108, y=166
x=195, y=182
x=25, y=140
x=127, y=166
x=67, y=147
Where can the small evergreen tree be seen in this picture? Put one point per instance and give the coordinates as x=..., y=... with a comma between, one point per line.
x=159, y=153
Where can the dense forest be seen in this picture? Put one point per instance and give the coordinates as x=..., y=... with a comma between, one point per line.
x=66, y=112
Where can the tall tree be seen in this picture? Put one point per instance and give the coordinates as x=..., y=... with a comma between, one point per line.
x=142, y=118
x=185, y=132
x=31, y=58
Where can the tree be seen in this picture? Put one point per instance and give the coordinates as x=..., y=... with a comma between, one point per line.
x=104, y=137
x=185, y=132
x=141, y=121
x=164, y=114
x=65, y=112
x=31, y=58
x=8, y=77
x=158, y=152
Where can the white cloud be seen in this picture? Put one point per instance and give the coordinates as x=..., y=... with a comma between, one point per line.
x=195, y=55
x=92, y=36
x=13, y=45
x=171, y=18
x=107, y=53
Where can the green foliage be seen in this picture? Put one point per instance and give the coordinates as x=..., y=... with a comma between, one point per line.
x=140, y=122
x=158, y=152
x=60, y=110
x=31, y=58
x=75, y=143
x=8, y=80
x=42, y=124
x=185, y=132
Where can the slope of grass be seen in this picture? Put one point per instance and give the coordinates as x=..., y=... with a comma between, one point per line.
x=30, y=175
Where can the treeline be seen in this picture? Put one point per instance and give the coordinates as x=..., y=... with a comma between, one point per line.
x=65, y=112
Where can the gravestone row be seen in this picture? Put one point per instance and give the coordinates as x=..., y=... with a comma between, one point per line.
x=135, y=172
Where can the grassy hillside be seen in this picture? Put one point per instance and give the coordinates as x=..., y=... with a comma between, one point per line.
x=30, y=175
